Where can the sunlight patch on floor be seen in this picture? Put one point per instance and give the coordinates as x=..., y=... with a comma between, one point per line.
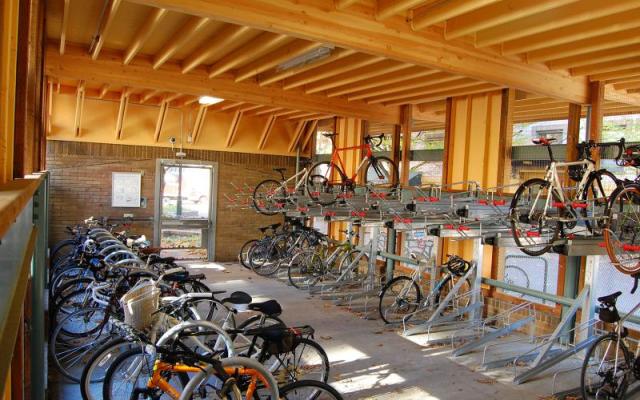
x=372, y=377
x=412, y=392
x=206, y=265
x=343, y=353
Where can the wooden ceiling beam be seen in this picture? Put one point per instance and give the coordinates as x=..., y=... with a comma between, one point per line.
x=275, y=76
x=201, y=116
x=572, y=33
x=148, y=95
x=268, y=110
x=258, y=47
x=423, y=17
x=611, y=94
x=154, y=19
x=622, y=74
x=64, y=25
x=297, y=133
x=103, y=90
x=627, y=85
x=287, y=52
x=249, y=107
x=407, y=85
x=285, y=112
x=584, y=10
x=162, y=115
x=309, y=132
x=110, y=11
x=604, y=67
x=122, y=113
x=394, y=77
x=75, y=64
x=497, y=14
x=534, y=101
x=216, y=45
x=388, y=8
x=479, y=88
x=342, y=4
x=266, y=131
x=171, y=97
x=357, y=29
x=233, y=128
x=612, y=54
x=350, y=63
x=424, y=90
x=191, y=28
x=80, y=93
x=370, y=71
x=231, y=104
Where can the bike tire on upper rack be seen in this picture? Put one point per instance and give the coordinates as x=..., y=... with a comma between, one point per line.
x=597, y=193
x=309, y=389
x=382, y=173
x=268, y=195
x=409, y=305
x=531, y=246
x=592, y=393
x=325, y=183
x=622, y=233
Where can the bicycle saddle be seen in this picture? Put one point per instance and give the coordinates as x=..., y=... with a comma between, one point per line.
x=238, y=298
x=610, y=298
x=543, y=141
x=328, y=135
x=162, y=260
x=280, y=169
x=270, y=307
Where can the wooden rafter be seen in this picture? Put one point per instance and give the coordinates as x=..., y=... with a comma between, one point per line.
x=581, y=11
x=104, y=90
x=199, y=123
x=395, y=77
x=275, y=76
x=342, y=4
x=297, y=133
x=65, y=23
x=285, y=113
x=193, y=26
x=148, y=95
x=346, y=64
x=609, y=24
x=496, y=14
x=456, y=83
x=611, y=94
x=604, y=67
x=154, y=19
x=122, y=112
x=423, y=17
x=231, y=104
x=266, y=131
x=258, y=47
x=215, y=46
x=249, y=107
x=75, y=64
x=233, y=128
x=272, y=60
x=103, y=29
x=628, y=85
x=388, y=8
x=268, y=110
x=80, y=92
x=49, y=106
x=162, y=115
x=357, y=29
x=370, y=71
x=625, y=73
x=309, y=132
x=403, y=86
x=299, y=115
x=478, y=88
x=613, y=54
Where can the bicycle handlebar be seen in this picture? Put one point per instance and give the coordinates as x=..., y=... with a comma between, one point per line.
x=374, y=141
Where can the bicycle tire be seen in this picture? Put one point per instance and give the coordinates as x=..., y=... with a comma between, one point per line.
x=518, y=235
x=584, y=387
x=293, y=266
x=411, y=306
x=323, y=184
x=596, y=191
x=373, y=169
x=619, y=227
x=104, y=355
x=58, y=250
x=301, y=344
x=267, y=206
x=444, y=287
x=243, y=256
x=288, y=392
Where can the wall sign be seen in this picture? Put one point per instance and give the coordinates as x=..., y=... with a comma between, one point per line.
x=125, y=189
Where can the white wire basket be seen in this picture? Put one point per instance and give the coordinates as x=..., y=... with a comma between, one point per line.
x=140, y=304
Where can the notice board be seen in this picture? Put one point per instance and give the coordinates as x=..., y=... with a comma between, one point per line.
x=125, y=189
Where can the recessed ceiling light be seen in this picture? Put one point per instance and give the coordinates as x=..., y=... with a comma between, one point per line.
x=209, y=100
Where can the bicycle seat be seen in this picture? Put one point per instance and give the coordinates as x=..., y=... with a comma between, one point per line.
x=238, y=298
x=329, y=135
x=270, y=307
x=162, y=260
x=281, y=170
x=543, y=141
x=610, y=298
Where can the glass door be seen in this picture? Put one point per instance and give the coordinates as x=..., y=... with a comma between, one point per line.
x=185, y=210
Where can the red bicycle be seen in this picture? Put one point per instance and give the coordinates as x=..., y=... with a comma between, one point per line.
x=327, y=181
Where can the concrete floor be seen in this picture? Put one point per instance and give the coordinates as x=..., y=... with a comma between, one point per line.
x=369, y=360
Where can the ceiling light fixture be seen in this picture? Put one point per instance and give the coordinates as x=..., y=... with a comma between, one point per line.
x=306, y=58
x=209, y=100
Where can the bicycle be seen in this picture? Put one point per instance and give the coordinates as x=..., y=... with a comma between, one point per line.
x=609, y=365
x=327, y=181
x=271, y=196
x=403, y=295
x=541, y=208
x=622, y=233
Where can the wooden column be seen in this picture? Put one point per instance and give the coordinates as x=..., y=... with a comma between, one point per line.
x=596, y=115
x=406, y=126
x=9, y=11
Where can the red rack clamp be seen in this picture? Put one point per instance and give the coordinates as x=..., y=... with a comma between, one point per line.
x=533, y=234
x=579, y=205
x=303, y=209
x=499, y=202
x=360, y=214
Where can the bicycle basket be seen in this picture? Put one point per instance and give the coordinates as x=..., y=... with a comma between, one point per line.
x=280, y=339
x=140, y=304
x=576, y=172
x=608, y=314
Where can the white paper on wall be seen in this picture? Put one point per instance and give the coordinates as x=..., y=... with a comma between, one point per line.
x=125, y=189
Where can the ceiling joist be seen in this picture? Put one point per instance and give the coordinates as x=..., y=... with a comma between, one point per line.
x=154, y=19
x=266, y=131
x=111, y=8
x=233, y=128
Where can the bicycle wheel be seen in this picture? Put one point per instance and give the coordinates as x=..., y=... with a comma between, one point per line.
x=307, y=360
x=462, y=298
x=96, y=368
x=400, y=296
x=243, y=256
x=598, y=189
x=309, y=390
x=265, y=258
x=269, y=197
x=355, y=266
x=61, y=250
x=325, y=182
x=305, y=270
x=130, y=372
x=534, y=222
x=381, y=172
x=622, y=234
x=605, y=370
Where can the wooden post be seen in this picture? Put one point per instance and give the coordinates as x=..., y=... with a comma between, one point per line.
x=596, y=115
x=406, y=123
x=506, y=137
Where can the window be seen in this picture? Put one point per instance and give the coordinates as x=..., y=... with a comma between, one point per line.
x=425, y=164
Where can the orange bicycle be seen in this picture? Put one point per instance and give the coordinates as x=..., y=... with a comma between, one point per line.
x=327, y=181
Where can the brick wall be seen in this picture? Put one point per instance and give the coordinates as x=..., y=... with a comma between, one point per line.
x=81, y=187
x=545, y=320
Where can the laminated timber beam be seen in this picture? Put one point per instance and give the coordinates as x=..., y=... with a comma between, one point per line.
x=233, y=128
x=393, y=39
x=76, y=64
x=266, y=131
x=611, y=94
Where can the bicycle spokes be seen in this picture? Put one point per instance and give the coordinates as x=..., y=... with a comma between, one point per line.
x=622, y=236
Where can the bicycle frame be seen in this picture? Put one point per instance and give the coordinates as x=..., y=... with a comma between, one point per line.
x=337, y=160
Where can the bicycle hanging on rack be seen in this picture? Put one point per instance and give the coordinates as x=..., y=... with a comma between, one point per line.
x=271, y=196
x=327, y=181
x=542, y=208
